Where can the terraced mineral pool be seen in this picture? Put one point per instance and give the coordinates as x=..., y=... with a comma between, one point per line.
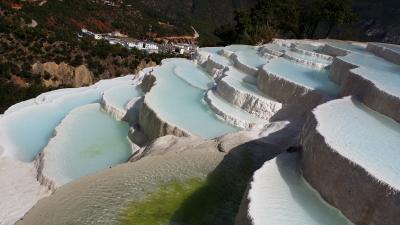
x=239, y=75
x=235, y=48
x=307, y=57
x=214, y=50
x=52, y=95
x=25, y=132
x=245, y=87
x=20, y=105
x=87, y=140
x=120, y=95
x=384, y=74
x=350, y=47
x=390, y=46
x=274, y=47
x=222, y=60
x=312, y=78
x=231, y=110
x=307, y=47
x=194, y=75
x=356, y=133
x=177, y=102
x=280, y=196
x=251, y=57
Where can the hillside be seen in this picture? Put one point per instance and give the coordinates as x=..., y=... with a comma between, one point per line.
x=137, y=17
x=35, y=58
x=378, y=21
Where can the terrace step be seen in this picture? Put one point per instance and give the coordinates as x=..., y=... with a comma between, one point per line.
x=172, y=103
x=230, y=113
x=374, y=80
x=247, y=97
x=278, y=195
x=346, y=137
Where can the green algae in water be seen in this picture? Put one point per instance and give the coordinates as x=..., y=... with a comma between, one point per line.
x=211, y=201
x=159, y=207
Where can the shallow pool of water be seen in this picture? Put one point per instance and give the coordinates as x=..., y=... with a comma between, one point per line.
x=25, y=132
x=120, y=95
x=88, y=140
x=317, y=79
x=181, y=104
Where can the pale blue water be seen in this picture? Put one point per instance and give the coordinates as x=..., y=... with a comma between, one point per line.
x=251, y=57
x=181, y=104
x=363, y=136
x=213, y=50
x=222, y=60
x=235, y=48
x=120, y=95
x=52, y=95
x=194, y=75
x=88, y=140
x=303, y=75
x=239, y=75
x=25, y=132
x=20, y=105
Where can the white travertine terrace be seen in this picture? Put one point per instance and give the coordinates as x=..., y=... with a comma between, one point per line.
x=389, y=52
x=372, y=79
x=226, y=98
x=278, y=195
x=230, y=113
x=247, y=97
x=345, y=137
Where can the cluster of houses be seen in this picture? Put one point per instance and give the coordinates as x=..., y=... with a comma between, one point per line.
x=147, y=46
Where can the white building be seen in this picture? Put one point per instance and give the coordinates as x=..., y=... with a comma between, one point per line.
x=98, y=37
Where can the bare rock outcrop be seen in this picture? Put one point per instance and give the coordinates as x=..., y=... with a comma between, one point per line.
x=63, y=74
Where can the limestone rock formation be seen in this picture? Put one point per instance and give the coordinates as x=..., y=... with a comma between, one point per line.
x=63, y=74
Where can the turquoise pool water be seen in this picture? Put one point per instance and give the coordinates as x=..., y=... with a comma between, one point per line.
x=302, y=75
x=25, y=132
x=235, y=48
x=120, y=95
x=181, y=104
x=88, y=140
x=194, y=75
x=214, y=50
x=251, y=57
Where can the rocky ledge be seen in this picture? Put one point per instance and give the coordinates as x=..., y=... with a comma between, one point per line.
x=343, y=182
